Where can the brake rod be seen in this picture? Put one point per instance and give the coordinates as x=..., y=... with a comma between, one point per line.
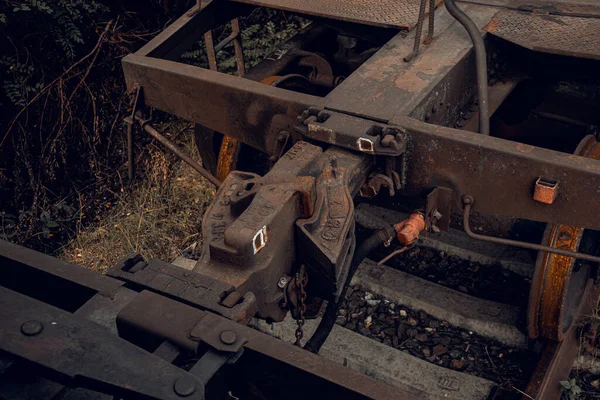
x=468, y=203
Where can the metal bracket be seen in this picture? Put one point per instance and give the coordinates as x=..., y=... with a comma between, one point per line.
x=438, y=210
x=352, y=133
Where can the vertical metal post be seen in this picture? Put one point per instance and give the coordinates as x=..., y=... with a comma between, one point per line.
x=210, y=50
x=237, y=44
x=418, y=33
x=431, y=26
x=130, y=151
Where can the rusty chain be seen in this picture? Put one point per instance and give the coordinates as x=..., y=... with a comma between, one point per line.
x=300, y=281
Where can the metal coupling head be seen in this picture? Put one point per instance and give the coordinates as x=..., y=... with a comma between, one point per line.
x=408, y=231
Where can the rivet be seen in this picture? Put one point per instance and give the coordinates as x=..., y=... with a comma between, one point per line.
x=228, y=337
x=32, y=328
x=184, y=386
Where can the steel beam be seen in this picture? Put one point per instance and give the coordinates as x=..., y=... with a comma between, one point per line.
x=247, y=110
x=500, y=175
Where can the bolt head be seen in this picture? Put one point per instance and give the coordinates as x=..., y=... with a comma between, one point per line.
x=31, y=328
x=282, y=282
x=184, y=386
x=228, y=337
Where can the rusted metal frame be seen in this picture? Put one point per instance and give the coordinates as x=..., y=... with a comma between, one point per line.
x=468, y=203
x=144, y=313
x=19, y=262
x=192, y=288
x=572, y=8
x=81, y=353
x=247, y=110
x=190, y=28
x=212, y=50
x=500, y=174
x=390, y=89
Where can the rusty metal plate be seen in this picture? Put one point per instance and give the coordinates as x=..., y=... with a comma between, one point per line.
x=570, y=36
x=402, y=14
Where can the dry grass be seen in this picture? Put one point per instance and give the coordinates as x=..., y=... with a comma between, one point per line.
x=159, y=216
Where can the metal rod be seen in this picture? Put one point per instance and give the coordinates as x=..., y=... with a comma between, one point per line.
x=237, y=44
x=225, y=42
x=210, y=51
x=418, y=33
x=431, y=25
x=130, y=151
x=468, y=202
x=178, y=152
x=480, y=61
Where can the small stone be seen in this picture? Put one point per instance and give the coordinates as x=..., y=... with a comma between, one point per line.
x=368, y=296
x=395, y=341
x=403, y=313
x=364, y=331
x=368, y=321
x=401, y=331
x=457, y=365
x=434, y=324
x=343, y=311
x=412, y=322
x=389, y=331
x=455, y=354
x=341, y=320
x=421, y=338
x=426, y=352
x=595, y=383
x=429, y=330
x=442, y=254
x=439, y=350
x=411, y=332
x=411, y=344
x=463, y=289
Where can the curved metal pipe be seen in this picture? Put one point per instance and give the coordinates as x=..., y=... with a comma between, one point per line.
x=468, y=203
x=480, y=62
x=328, y=321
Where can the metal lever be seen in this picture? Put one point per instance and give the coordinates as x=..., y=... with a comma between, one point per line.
x=468, y=202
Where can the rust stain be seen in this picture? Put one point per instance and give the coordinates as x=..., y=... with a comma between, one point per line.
x=524, y=148
x=492, y=25
x=227, y=156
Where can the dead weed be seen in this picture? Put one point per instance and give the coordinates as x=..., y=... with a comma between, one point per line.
x=159, y=216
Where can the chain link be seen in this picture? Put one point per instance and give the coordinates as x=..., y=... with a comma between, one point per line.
x=300, y=282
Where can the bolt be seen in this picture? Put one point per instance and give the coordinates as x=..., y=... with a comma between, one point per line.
x=282, y=282
x=32, y=328
x=228, y=337
x=565, y=236
x=184, y=386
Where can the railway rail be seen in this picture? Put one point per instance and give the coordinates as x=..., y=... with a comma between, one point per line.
x=490, y=127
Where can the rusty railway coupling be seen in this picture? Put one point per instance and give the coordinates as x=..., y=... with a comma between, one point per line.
x=332, y=118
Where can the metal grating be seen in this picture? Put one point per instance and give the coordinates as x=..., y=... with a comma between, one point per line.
x=571, y=36
x=402, y=14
